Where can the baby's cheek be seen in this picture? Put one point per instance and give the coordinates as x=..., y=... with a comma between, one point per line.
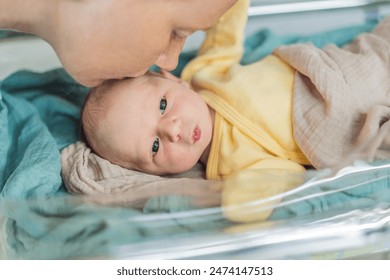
x=183, y=160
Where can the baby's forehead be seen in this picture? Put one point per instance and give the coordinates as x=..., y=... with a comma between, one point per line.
x=132, y=96
x=142, y=83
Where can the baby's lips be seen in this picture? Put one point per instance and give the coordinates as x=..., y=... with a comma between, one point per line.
x=196, y=134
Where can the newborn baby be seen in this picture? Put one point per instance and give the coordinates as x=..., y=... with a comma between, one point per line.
x=154, y=124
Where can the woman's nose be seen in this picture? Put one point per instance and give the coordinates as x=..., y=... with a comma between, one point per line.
x=171, y=130
x=169, y=58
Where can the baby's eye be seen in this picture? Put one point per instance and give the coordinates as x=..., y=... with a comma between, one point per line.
x=163, y=105
x=155, y=146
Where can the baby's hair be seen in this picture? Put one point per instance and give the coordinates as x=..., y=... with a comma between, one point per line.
x=93, y=110
x=96, y=108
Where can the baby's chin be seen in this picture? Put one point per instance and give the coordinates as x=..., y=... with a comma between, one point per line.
x=196, y=171
x=180, y=171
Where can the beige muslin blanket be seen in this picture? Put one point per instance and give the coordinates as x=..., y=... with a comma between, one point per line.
x=84, y=172
x=341, y=102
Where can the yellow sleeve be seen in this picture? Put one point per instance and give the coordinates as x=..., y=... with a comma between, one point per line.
x=223, y=44
x=252, y=194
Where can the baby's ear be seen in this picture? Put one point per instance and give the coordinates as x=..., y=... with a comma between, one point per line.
x=172, y=77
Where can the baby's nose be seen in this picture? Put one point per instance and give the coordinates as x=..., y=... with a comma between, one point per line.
x=172, y=130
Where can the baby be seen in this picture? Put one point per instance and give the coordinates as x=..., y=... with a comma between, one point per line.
x=298, y=107
x=154, y=123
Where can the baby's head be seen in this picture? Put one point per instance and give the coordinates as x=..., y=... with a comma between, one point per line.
x=154, y=124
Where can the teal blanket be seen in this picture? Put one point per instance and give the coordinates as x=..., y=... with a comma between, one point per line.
x=39, y=116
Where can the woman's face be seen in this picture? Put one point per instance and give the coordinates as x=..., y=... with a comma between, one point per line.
x=123, y=38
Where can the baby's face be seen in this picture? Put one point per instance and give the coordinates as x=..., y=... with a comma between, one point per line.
x=156, y=125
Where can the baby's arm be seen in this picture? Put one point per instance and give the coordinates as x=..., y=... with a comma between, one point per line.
x=250, y=195
x=223, y=45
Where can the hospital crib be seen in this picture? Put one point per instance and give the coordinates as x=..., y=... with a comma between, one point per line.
x=345, y=215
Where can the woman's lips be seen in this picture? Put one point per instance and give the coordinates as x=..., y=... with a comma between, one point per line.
x=197, y=134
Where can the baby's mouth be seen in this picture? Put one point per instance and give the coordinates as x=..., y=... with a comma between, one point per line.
x=196, y=134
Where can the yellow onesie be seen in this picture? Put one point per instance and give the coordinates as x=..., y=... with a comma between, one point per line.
x=252, y=103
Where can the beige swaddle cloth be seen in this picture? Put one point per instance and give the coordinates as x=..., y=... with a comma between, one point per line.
x=84, y=172
x=341, y=100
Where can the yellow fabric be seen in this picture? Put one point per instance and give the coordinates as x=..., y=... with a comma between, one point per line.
x=252, y=103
